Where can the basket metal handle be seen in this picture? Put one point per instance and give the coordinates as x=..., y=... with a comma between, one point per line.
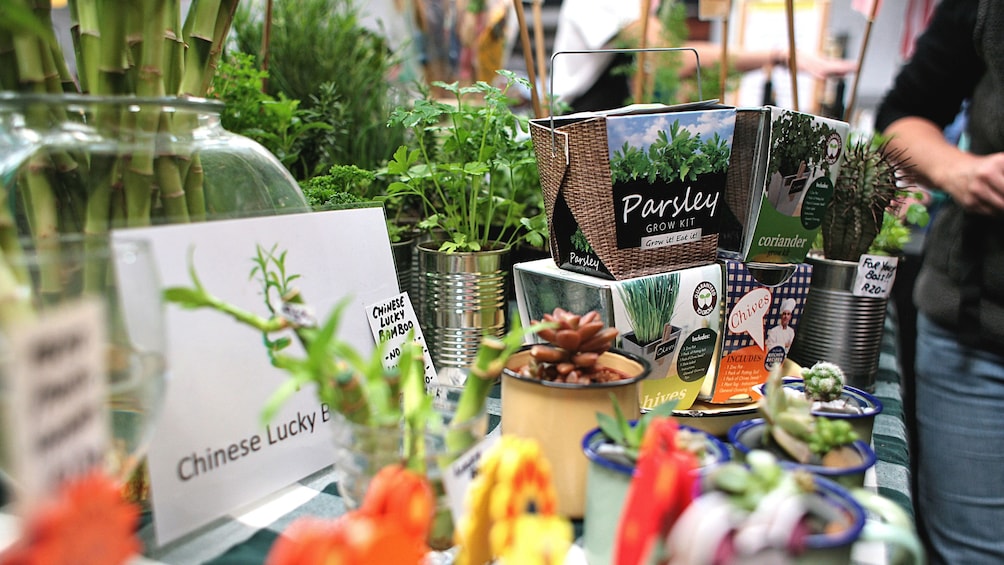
x=550, y=87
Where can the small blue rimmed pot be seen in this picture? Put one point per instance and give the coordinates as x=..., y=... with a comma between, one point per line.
x=839, y=519
x=860, y=412
x=749, y=435
x=607, y=484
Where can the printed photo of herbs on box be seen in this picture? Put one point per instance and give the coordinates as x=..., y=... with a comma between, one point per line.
x=668, y=174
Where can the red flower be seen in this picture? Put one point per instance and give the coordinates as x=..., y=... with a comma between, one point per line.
x=89, y=522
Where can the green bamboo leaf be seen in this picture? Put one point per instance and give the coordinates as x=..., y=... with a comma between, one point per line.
x=185, y=297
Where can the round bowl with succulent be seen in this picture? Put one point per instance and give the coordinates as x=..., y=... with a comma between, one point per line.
x=552, y=391
x=824, y=446
x=612, y=449
x=824, y=385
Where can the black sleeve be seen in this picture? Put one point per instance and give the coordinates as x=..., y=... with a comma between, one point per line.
x=943, y=71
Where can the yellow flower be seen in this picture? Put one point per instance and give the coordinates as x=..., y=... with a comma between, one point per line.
x=538, y=540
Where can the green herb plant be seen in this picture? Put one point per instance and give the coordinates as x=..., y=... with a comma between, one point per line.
x=322, y=55
x=649, y=303
x=678, y=155
x=471, y=165
x=796, y=139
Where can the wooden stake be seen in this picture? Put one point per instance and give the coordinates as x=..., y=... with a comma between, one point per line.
x=792, y=61
x=538, y=40
x=524, y=36
x=266, y=39
x=640, y=79
x=723, y=71
x=849, y=111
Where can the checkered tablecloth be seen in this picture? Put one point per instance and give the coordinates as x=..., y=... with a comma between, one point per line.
x=244, y=537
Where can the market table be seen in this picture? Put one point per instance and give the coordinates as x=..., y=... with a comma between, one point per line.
x=244, y=537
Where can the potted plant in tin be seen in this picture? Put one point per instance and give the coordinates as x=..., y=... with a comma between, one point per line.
x=552, y=391
x=471, y=165
x=843, y=323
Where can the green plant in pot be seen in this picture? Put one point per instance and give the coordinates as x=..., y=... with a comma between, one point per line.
x=552, y=391
x=649, y=303
x=613, y=449
x=825, y=446
x=843, y=322
x=380, y=415
x=467, y=162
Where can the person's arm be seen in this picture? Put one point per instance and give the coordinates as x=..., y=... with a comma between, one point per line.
x=975, y=182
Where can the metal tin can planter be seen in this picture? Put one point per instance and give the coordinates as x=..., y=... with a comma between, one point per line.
x=559, y=414
x=838, y=326
x=462, y=297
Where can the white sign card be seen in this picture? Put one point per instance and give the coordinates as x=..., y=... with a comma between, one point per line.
x=55, y=375
x=876, y=273
x=390, y=321
x=459, y=475
x=211, y=452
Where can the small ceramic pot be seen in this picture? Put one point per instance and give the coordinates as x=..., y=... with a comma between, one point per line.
x=716, y=419
x=749, y=435
x=557, y=415
x=607, y=483
x=863, y=422
x=843, y=511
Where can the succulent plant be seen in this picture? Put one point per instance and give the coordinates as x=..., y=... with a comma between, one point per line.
x=574, y=345
x=870, y=178
x=824, y=381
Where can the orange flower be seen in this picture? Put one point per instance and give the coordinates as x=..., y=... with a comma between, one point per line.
x=88, y=522
x=389, y=528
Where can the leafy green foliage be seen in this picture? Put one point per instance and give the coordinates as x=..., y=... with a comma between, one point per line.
x=472, y=166
x=619, y=429
x=649, y=303
x=673, y=156
x=795, y=139
x=579, y=242
x=276, y=123
x=321, y=55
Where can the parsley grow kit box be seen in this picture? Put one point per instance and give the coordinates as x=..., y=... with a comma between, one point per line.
x=671, y=319
x=780, y=181
x=762, y=305
x=637, y=190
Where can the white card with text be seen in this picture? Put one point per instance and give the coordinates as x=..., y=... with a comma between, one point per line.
x=211, y=452
x=55, y=375
x=876, y=273
x=390, y=321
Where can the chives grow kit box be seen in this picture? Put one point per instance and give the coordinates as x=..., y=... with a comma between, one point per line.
x=762, y=305
x=780, y=181
x=634, y=191
x=671, y=319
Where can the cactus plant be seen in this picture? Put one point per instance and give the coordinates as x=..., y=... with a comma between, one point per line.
x=870, y=179
x=573, y=348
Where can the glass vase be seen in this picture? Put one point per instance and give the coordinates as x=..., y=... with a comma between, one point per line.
x=361, y=450
x=87, y=164
x=119, y=276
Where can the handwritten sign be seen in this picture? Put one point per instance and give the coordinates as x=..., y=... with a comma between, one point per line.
x=876, y=274
x=458, y=476
x=56, y=378
x=390, y=321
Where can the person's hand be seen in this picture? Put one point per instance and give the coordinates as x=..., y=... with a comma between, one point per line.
x=824, y=67
x=976, y=182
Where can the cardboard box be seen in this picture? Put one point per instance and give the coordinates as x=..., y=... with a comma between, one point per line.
x=683, y=311
x=755, y=335
x=634, y=191
x=780, y=181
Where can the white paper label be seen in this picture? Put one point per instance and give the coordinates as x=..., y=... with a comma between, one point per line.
x=876, y=274
x=390, y=321
x=458, y=477
x=60, y=427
